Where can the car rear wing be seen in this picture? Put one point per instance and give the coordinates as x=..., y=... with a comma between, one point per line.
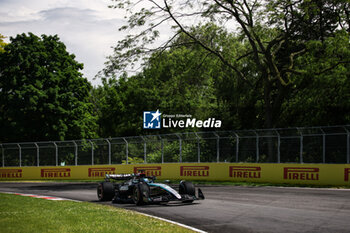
x=119, y=176
x=108, y=177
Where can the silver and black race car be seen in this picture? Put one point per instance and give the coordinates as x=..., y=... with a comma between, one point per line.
x=141, y=189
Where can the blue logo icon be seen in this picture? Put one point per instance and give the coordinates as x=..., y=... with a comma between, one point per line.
x=151, y=120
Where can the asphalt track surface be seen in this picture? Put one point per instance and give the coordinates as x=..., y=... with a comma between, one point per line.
x=230, y=208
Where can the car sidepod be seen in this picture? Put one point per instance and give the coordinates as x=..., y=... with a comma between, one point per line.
x=167, y=188
x=173, y=195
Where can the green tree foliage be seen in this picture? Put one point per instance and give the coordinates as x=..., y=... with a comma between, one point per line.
x=119, y=103
x=2, y=43
x=188, y=79
x=321, y=93
x=274, y=36
x=178, y=81
x=43, y=96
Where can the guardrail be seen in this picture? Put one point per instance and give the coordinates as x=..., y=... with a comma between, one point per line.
x=329, y=144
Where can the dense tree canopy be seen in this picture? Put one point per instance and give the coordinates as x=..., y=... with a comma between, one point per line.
x=43, y=96
x=188, y=79
x=175, y=82
x=274, y=37
x=2, y=43
x=249, y=63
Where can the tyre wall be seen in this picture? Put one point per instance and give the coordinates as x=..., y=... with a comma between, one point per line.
x=317, y=174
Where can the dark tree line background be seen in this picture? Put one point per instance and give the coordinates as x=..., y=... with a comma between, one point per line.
x=251, y=64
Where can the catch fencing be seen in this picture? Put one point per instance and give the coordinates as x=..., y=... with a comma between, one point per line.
x=330, y=144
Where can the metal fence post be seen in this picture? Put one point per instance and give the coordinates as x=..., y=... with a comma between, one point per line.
x=257, y=146
x=348, y=148
x=3, y=155
x=37, y=154
x=180, y=147
x=162, y=148
x=347, y=145
x=237, y=146
x=301, y=148
x=301, y=145
x=92, y=152
x=56, y=152
x=198, y=147
x=20, y=155
x=126, y=151
x=110, y=152
x=75, y=153
x=323, y=146
x=217, y=147
x=278, y=146
x=144, y=150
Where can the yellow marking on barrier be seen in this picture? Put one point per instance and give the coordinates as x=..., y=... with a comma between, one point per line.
x=318, y=174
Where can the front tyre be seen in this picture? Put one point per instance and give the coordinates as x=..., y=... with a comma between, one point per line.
x=105, y=191
x=140, y=192
x=186, y=187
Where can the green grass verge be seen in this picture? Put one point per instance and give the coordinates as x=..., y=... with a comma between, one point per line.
x=27, y=214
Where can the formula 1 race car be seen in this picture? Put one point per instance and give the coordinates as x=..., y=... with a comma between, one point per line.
x=141, y=189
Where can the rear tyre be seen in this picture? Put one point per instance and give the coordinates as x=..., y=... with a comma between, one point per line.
x=105, y=191
x=140, y=192
x=186, y=187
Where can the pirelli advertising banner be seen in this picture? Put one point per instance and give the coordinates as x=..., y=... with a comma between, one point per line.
x=318, y=174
